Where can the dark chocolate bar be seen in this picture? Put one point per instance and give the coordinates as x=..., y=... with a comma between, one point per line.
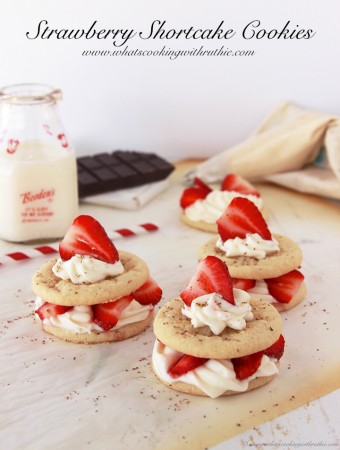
x=119, y=170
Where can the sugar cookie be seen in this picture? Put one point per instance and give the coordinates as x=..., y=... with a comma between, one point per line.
x=93, y=293
x=262, y=263
x=214, y=339
x=202, y=205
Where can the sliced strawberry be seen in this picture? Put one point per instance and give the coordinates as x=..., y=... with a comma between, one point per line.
x=246, y=366
x=191, y=195
x=276, y=350
x=197, y=192
x=211, y=275
x=106, y=315
x=233, y=182
x=148, y=293
x=243, y=283
x=87, y=237
x=51, y=310
x=240, y=218
x=284, y=288
x=200, y=183
x=185, y=364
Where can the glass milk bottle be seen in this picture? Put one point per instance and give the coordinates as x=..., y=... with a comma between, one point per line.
x=38, y=177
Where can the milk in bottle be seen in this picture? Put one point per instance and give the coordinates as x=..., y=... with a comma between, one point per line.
x=38, y=177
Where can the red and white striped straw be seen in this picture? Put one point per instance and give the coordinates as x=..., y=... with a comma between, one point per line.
x=53, y=248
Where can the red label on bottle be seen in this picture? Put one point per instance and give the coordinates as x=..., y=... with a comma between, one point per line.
x=28, y=197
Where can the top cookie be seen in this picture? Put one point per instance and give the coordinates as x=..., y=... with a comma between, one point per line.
x=175, y=330
x=288, y=258
x=63, y=292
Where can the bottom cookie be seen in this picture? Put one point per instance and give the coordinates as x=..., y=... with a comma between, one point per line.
x=120, y=334
x=194, y=390
x=199, y=225
x=215, y=377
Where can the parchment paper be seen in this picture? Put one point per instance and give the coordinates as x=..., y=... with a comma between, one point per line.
x=60, y=395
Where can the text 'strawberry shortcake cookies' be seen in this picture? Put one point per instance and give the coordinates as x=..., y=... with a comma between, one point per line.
x=214, y=339
x=202, y=206
x=93, y=293
x=263, y=264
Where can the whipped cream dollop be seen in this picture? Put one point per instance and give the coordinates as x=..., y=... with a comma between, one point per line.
x=261, y=292
x=86, y=269
x=214, y=377
x=211, y=208
x=252, y=245
x=79, y=319
x=214, y=311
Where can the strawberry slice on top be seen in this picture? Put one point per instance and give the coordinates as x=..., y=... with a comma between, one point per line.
x=233, y=182
x=106, y=315
x=284, y=288
x=148, y=293
x=212, y=275
x=240, y=218
x=197, y=192
x=201, y=184
x=86, y=236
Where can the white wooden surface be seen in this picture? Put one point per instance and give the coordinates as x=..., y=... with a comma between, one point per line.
x=314, y=425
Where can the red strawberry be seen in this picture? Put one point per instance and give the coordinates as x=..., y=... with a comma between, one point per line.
x=106, y=315
x=200, y=183
x=243, y=283
x=233, y=182
x=197, y=192
x=276, y=350
x=148, y=293
x=185, y=364
x=51, y=310
x=247, y=365
x=211, y=275
x=240, y=218
x=284, y=288
x=87, y=237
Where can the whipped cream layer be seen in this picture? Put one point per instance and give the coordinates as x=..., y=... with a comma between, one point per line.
x=85, y=269
x=214, y=377
x=217, y=313
x=79, y=319
x=261, y=292
x=211, y=208
x=252, y=245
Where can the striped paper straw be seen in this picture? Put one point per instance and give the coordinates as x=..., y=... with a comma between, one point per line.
x=29, y=253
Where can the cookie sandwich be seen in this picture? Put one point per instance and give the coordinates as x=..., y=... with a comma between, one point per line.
x=261, y=263
x=214, y=339
x=202, y=206
x=94, y=293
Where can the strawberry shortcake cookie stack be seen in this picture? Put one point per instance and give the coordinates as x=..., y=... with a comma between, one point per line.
x=202, y=206
x=264, y=264
x=214, y=339
x=94, y=293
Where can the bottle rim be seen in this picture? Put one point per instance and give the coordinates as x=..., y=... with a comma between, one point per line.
x=29, y=94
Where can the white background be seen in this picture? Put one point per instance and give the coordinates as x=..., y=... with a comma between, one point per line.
x=191, y=106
